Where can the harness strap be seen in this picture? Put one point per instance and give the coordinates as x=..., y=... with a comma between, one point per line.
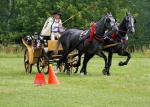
x=111, y=45
x=99, y=38
x=114, y=36
x=92, y=32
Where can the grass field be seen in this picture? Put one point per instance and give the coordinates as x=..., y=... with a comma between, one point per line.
x=128, y=86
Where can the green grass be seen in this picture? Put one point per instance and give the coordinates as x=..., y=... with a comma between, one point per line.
x=128, y=86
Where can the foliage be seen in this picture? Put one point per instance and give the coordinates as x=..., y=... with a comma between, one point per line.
x=28, y=16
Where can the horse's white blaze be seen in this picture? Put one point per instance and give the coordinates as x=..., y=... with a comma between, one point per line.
x=132, y=24
x=112, y=23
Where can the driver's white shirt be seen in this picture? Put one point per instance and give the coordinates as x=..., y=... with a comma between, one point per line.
x=51, y=25
x=56, y=25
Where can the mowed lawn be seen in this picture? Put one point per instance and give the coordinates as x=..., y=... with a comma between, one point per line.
x=128, y=86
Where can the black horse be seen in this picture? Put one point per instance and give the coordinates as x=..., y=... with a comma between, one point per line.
x=126, y=26
x=71, y=39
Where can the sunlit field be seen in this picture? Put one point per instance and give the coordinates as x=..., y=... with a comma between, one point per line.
x=128, y=86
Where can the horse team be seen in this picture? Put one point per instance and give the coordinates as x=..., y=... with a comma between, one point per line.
x=93, y=41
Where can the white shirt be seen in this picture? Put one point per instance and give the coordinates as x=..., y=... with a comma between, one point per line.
x=51, y=25
x=56, y=25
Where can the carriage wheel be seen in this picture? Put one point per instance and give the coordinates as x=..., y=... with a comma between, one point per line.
x=73, y=67
x=28, y=67
x=62, y=67
x=43, y=64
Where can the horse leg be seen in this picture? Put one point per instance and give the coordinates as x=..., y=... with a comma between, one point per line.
x=64, y=60
x=109, y=62
x=101, y=54
x=124, y=53
x=63, y=57
x=65, y=53
x=78, y=62
x=67, y=66
x=87, y=57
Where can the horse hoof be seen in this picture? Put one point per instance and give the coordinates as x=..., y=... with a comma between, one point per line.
x=75, y=72
x=121, y=63
x=104, y=72
x=85, y=73
x=108, y=74
x=82, y=74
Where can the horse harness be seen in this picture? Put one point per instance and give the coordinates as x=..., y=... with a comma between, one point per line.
x=92, y=35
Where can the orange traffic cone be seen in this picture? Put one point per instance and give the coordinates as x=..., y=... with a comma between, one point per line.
x=39, y=79
x=52, y=79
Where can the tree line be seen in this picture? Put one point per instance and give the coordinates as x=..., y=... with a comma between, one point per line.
x=23, y=17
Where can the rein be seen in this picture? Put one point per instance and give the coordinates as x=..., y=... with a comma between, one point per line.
x=79, y=12
x=70, y=18
x=114, y=44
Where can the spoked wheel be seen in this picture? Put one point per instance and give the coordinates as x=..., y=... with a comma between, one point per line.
x=62, y=67
x=73, y=67
x=43, y=64
x=28, y=67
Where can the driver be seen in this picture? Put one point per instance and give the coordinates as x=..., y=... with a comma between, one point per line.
x=52, y=26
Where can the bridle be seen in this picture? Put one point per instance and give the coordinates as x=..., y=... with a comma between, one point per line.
x=127, y=26
x=129, y=16
x=111, y=18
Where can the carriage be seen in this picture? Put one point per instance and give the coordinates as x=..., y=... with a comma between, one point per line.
x=42, y=52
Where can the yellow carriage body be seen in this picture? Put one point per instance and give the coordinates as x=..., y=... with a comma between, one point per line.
x=52, y=45
x=33, y=53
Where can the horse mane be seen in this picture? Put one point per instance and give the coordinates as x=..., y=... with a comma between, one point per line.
x=122, y=27
x=122, y=23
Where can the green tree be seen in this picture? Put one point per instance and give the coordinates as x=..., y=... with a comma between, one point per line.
x=27, y=16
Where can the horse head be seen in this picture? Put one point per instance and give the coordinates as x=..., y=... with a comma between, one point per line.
x=110, y=22
x=130, y=21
